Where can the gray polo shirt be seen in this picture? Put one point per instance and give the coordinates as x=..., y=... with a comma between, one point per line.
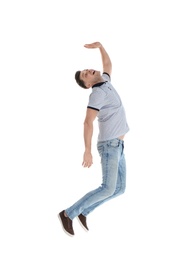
x=111, y=116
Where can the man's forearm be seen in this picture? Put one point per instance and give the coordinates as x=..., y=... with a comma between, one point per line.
x=106, y=61
x=88, y=133
x=87, y=156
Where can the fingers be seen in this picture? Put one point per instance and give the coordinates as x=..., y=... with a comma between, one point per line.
x=89, y=46
x=87, y=159
x=87, y=164
x=92, y=45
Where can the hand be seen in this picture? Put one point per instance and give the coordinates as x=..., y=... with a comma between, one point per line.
x=87, y=159
x=93, y=45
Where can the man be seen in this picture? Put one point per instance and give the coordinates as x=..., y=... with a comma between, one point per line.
x=104, y=103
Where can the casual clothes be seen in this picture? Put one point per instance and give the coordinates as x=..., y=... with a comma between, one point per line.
x=111, y=117
x=113, y=179
x=112, y=125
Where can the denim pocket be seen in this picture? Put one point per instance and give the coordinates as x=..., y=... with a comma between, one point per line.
x=113, y=143
x=100, y=148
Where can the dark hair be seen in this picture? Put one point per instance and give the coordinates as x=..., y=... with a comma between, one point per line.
x=78, y=80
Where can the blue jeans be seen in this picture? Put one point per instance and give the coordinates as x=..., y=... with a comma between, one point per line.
x=113, y=179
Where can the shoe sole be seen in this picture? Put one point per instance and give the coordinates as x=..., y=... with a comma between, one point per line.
x=63, y=227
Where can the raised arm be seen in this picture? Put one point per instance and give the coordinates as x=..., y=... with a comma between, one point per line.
x=106, y=61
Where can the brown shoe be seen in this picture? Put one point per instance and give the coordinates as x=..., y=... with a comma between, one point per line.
x=82, y=220
x=66, y=223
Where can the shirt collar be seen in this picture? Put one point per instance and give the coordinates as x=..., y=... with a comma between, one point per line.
x=98, y=84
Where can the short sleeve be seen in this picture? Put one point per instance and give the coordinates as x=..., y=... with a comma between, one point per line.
x=97, y=99
x=106, y=76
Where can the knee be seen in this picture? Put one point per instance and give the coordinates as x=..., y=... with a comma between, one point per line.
x=121, y=190
x=108, y=191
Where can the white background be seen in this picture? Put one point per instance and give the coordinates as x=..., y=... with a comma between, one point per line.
x=41, y=128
